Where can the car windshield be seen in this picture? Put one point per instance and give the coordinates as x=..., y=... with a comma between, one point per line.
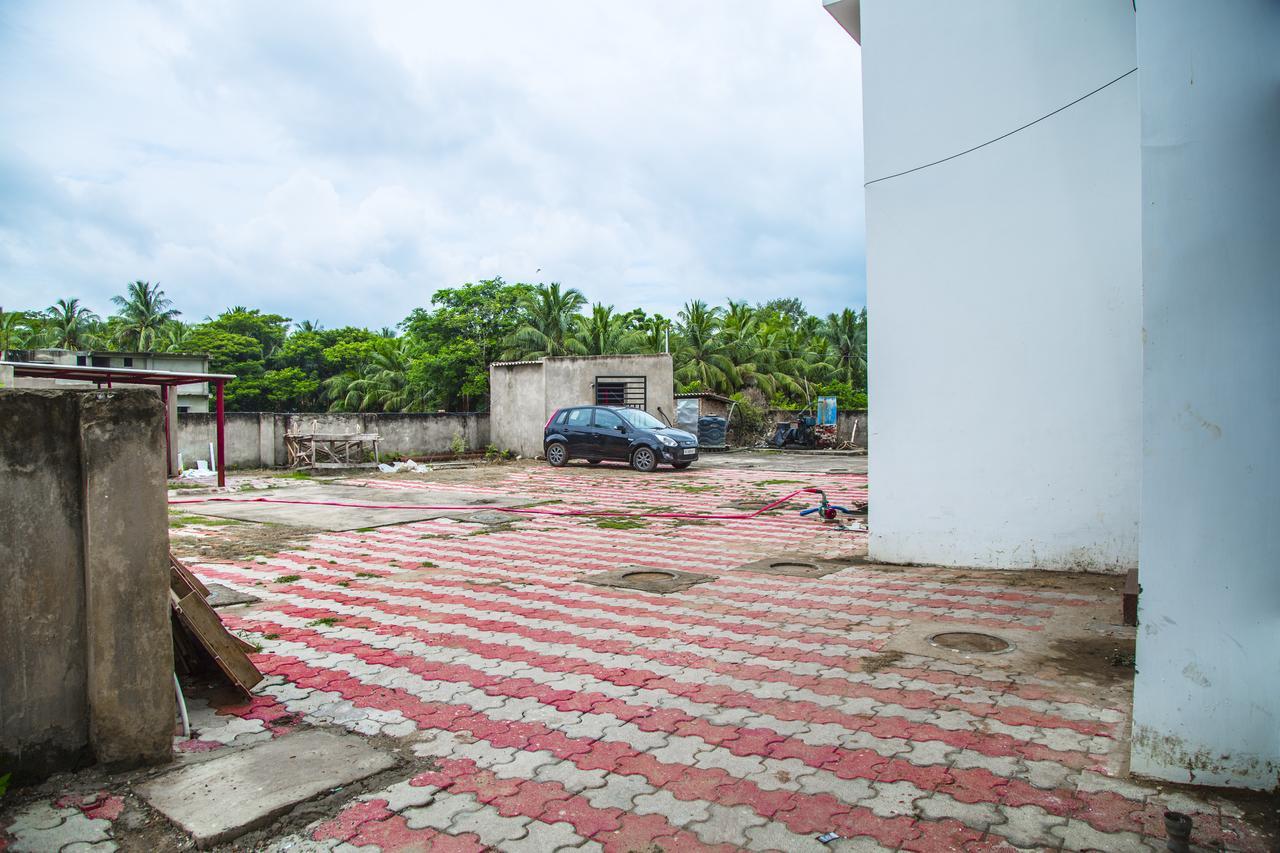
x=641, y=419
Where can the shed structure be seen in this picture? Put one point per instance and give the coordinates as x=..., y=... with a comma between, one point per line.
x=524, y=394
x=25, y=374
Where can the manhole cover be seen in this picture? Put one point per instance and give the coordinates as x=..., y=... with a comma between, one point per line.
x=648, y=577
x=794, y=567
x=970, y=642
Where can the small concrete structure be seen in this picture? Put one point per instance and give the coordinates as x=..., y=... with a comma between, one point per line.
x=87, y=667
x=523, y=394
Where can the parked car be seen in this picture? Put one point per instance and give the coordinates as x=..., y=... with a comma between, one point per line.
x=597, y=433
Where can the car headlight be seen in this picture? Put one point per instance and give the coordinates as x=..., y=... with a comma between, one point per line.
x=667, y=440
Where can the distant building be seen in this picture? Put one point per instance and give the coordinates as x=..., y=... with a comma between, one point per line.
x=191, y=398
x=524, y=394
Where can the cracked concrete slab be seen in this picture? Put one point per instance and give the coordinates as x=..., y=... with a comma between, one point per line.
x=223, y=798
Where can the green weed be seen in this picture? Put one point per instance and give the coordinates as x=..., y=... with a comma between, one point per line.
x=619, y=523
x=288, y=578
x=327, y=621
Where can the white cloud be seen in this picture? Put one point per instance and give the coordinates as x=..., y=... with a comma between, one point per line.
x=340, y=163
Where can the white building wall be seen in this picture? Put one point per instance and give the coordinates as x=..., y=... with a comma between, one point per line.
x=1005, y=346
x=1207, y=694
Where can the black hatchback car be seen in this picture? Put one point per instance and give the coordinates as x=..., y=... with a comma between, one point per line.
x=597, y=433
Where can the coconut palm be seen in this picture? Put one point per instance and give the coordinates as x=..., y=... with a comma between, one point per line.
x=702, y=360
x=16, y=331
x=603, y=333
x=68, y=324
x=381, y=383
x=846, y=335
x=173, y=337
x=144, y=311
x=547, y=322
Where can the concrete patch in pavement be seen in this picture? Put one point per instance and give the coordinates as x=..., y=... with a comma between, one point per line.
x=223, y=798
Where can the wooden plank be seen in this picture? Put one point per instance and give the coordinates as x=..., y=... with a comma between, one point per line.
x=207, y=629
x=1129, y=606
x=182, y=580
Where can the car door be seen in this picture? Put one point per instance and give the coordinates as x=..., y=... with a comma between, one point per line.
x=578, y=432
x=611, y=435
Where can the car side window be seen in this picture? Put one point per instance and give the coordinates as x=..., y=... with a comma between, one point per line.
x=606, y=419
x=578, y=418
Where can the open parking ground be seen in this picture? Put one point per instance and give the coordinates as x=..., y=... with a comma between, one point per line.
x=527, y=710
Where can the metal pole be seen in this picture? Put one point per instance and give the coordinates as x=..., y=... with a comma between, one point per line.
x=222, y=421
x=168, y=438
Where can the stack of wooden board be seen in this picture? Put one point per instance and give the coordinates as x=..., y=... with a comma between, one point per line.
x=199, y=633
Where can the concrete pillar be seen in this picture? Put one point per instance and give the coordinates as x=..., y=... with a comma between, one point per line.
x=86, y=670
x=126, y=576
x=1207, y=694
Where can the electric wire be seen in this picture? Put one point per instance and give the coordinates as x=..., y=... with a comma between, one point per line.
x=1005, y=135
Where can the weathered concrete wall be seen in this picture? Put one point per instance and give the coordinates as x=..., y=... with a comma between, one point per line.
x=517, y=400
x=87, y=663
x=256, y=439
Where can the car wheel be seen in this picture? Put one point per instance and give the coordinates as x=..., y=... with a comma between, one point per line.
x=644, y=459
x=557, y=454
x=680, y=466
x=593, y=461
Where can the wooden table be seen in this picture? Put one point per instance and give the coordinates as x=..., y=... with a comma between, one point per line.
x=331, y=450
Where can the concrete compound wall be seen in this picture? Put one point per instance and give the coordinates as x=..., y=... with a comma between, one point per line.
x=87, y=662
x=1206, y=706
x=523, y=395
x=1005, y=281
x=256, y=439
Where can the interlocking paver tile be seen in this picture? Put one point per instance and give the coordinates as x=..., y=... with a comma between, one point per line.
x=737, y=713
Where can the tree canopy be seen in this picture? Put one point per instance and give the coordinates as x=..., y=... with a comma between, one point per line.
x=438, y=357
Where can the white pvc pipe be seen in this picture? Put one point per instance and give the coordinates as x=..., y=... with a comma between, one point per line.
x=182, y=708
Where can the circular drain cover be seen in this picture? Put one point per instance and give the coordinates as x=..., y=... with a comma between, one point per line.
x=648, y=577
x=970, y=641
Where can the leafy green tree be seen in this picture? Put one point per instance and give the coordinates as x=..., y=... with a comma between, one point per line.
x=144, y=312
x=269, y=330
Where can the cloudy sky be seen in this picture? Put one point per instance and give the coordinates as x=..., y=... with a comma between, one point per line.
x=340, y=162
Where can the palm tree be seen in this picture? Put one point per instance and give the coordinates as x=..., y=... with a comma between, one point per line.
x=702, y=361
x=15, y=331
x=846, y=335
x=655, y=334
x=547, y=322
x=173, y=337
x=381, y=383
x=144, y=311
x=603, y=333
x=309, y=326
x=68, y=323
